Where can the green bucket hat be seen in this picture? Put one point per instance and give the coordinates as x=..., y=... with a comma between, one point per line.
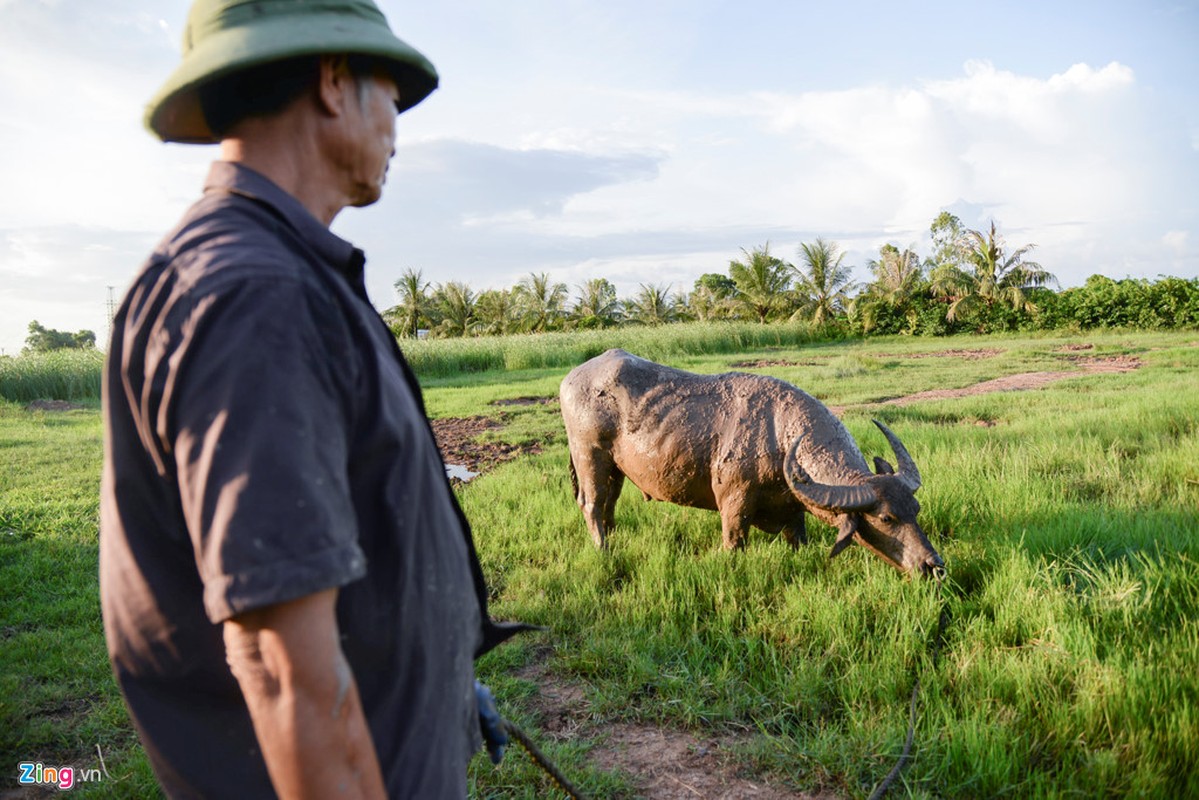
x=223, y=36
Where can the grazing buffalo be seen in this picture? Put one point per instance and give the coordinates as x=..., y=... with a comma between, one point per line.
x=758, y=450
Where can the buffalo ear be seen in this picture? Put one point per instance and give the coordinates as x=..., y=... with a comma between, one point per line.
x=882, y=467
x=845, y=535
x=907, y=472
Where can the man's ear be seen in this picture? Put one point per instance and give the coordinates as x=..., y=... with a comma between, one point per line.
x=336, y=84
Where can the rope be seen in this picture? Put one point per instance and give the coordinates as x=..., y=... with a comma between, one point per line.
x=539, y=758
x=937, y=642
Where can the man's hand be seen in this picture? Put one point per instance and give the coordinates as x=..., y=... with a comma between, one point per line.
x=303, y=700
x=492, y=724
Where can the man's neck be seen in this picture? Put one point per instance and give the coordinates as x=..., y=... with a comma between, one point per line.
x=282, y=150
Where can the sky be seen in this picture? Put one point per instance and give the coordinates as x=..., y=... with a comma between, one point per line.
x=644, y=142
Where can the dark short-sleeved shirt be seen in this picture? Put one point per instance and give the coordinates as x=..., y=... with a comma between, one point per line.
x=264, y=441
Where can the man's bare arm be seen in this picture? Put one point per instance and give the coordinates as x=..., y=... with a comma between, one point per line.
x=303, y=700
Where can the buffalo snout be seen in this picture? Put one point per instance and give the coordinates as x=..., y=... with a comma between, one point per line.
x=932, y=567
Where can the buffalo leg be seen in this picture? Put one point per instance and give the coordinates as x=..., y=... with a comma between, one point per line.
x=615, y=484
x=599, y=484
x=796, y=533
x=735, y=527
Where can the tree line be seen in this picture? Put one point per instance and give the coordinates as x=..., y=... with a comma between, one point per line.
x=42, y=339
x=972, y=281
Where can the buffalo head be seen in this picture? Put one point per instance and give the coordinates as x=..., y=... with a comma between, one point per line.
x=880, y=513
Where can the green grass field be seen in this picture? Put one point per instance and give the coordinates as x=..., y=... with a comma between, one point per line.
x=1068, y=517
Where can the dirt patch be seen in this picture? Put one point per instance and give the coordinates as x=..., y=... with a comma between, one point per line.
x=665, y=764
x=1024, y=381
x=525, y=401
x=68, y=709
x=30, y=793
x=765, y=362
x=1105, y=363
x=457, y=439
x=52, y=405
x=1013, y=383
x=966, y=355
x=674, y=765
x=778, y=362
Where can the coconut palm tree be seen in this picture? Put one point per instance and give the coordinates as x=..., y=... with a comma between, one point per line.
x=405, y=318
x=823, y=282
x=653, y=305
x=542, y=301
x=898, y=277
x=455, y=303
x=712, y=297
x=596, y=305
x=992, y=276
x=762, y=281
x=497, y=312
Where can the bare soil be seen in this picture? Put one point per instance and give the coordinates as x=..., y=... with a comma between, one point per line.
x=665, y=764
x=525, y=401
x=458, y=440
x=772, y=362
x=1026, y=380
x=967, y=355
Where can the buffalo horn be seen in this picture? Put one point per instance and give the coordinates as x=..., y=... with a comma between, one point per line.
x=906, y=471
x=831, y=498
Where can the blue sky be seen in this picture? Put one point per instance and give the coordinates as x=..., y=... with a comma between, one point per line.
x=644, y=142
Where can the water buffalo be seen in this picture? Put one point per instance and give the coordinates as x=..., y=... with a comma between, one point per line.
x=758, y=450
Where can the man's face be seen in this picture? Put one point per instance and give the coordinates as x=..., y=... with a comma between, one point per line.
x=373, y=130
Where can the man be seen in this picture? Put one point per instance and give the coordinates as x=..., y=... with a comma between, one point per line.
x=291, y=595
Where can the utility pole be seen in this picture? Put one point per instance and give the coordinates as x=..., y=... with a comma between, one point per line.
x=112, y=311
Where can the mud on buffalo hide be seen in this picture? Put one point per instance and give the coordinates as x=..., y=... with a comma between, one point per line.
x=758, y=450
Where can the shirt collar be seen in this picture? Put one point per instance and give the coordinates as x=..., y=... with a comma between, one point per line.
x=228, y=176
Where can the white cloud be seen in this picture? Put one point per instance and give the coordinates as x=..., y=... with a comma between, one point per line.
x=1176, y=241
x=566, y=140
x=83, y=156
x=1066, y=161
x=1083, y=77
x=60, y=276
x=1044, y=145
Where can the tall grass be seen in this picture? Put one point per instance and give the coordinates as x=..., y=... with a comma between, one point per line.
x=57, y=375
x=76, y=374
x=439, y=358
